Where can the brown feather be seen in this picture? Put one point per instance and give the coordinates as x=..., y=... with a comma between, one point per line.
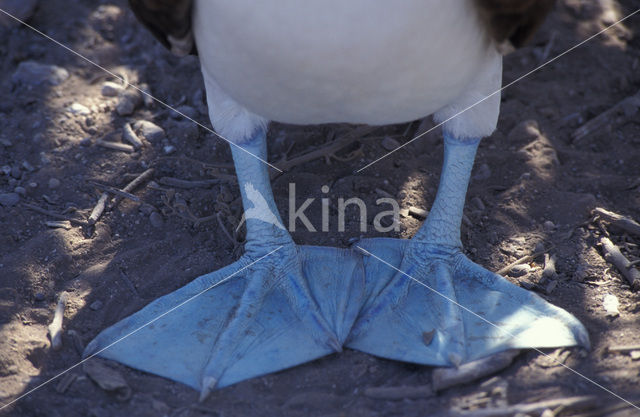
x=166, y=19
x=514, y=21
x=508, y=21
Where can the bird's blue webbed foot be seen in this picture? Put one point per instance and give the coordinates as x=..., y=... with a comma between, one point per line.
x=279, y=305
x=427, y=303
x=255, y=316
x=430, y=304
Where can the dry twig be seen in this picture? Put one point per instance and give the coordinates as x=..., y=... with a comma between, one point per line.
x=629, y=106
x=329, y=150
x=115, y=146
x=178, y=183
x=52, y=214
x=613, y=255
x=116, y=191
x=443, y=378
x=130, y=136
x=617, y=220
x=55, y=328
x=623, y=348
x=134, y=184
x=570, y=403
x=528, y=258
x=98, y=209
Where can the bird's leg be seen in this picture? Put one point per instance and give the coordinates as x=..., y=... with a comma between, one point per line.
x=281, y=271
x=432, y=305
x=442, y=227
x=279, y=305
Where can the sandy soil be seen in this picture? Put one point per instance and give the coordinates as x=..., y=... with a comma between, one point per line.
x=532, y=185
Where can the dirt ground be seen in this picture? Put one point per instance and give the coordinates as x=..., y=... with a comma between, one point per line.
x=534, y=185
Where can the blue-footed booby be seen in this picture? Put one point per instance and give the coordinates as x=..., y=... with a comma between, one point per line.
x=281, y=304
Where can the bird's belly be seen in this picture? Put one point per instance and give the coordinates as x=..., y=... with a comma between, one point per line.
x=357, y=61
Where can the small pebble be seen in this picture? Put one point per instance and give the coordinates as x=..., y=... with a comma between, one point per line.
x=128, y=102
x=156, y=220
x=34, y=73
x=96, y=305
x=169, y=149
x=111, y=89
x=150, y=131
x=611, y=304
x=33, y=184
x=526, y=130
x=54, y=183
x=6, y=169
x=9, y=199
x=549, y=226
x=520, y=270
x=39, y=296
x=85, y=141
x=20, y=190
x=635, y=355
x=77, y=108
x=26, y=165
x=390, y=143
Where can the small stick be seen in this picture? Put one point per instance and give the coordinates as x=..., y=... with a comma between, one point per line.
x=606, y=117
x=52, y=214
x=399, y=393
x=138, y=180
x=130, y=136
x=55, y=328
x=570, y=403
x=607, y=411
x=135, y=183
x=613, y=255
x=98, y=209
x=115, y=145
x=621, y=222
x=178, y=183
x=549, y=270
x=623, y=348
x=59, y=224
x=418, y=213
x=333, y=147
x=115, y=191
x=443, y=378
x=528, y=258
x=65, y=382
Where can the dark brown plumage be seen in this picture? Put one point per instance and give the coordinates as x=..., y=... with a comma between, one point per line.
x=169, y=21
x=513, y=21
